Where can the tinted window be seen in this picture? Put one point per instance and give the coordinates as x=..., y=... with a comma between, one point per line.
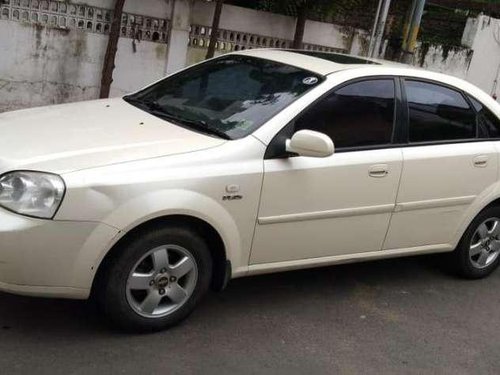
x=438, y=113
x=234, y=95
x=489, y=125
x=360, y=114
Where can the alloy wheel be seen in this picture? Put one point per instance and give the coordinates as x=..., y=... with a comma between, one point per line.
x=485, y=243
x=161, y=281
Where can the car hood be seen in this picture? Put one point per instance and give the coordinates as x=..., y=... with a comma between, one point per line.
x=69, y=137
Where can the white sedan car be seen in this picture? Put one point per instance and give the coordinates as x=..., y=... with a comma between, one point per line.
x=258, y=161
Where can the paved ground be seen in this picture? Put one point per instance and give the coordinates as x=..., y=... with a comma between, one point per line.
x=396, y=316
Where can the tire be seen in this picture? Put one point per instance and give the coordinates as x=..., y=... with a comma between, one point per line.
x=142, y=275
x=478, y=252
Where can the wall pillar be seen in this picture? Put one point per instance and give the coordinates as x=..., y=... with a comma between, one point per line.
x=179, y=35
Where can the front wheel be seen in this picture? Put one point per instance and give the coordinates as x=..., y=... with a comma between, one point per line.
x=157, y=279
x=478, y=253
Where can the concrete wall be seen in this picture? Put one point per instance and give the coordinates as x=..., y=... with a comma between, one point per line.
x=244, y=20
x=135, y=70
x=156, y=8
x=179, y=35
x=477, y=61
x=42, y=65
x=453, y=61
x=483, y=36
x=45, y=65
x=274, y=26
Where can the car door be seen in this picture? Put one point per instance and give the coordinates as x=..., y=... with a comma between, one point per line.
x=341, y=204
x=446, y=166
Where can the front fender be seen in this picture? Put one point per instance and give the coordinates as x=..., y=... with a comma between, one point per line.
x=157, y=204
x=144, y=208
x=126, y=195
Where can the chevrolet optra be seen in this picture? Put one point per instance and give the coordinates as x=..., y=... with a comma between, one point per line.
x=253, y=162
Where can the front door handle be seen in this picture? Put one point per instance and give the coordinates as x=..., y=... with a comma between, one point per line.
x=378, y=170
x=481, y=161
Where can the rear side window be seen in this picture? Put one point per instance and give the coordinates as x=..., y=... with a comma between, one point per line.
x=437, y=113
x=489, y=124
x=359, y=114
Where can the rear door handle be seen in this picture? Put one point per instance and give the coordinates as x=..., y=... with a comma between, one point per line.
x=481, y=161
x=378, y=170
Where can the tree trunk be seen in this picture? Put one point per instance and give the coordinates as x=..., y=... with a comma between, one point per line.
x=109, y=58
x=300, y=27
x=215, y=29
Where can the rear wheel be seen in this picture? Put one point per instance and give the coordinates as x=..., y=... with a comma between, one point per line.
x=157, y=279
x=478, y=253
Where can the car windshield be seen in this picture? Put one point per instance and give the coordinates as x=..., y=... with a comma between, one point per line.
x=229, y=97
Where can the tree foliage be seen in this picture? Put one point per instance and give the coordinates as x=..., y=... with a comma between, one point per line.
x=317, y=8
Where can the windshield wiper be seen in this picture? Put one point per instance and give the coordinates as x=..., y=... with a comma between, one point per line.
x=205, y=127
x=148, y=104
x=157, y=110
x=197, y=124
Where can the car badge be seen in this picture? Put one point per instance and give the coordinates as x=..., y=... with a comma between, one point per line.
x=310, y=81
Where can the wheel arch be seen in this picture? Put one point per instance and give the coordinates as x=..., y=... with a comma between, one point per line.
x=489, y=198
x=494, y=203
x=215, y=242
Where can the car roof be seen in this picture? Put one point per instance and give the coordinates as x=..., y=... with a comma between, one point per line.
x=323, y=63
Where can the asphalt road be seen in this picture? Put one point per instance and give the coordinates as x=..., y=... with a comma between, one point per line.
x=387, y=317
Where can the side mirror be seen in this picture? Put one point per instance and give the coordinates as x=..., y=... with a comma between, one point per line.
x=310, y=143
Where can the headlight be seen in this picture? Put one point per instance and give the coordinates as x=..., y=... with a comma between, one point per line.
x=34, y=194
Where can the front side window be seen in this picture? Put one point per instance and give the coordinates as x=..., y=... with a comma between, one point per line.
x=230, y=96
x=358, y=114
x=437, y=113
x=489, y=124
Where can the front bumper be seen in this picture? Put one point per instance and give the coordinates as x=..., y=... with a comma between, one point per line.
x=49, y=258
